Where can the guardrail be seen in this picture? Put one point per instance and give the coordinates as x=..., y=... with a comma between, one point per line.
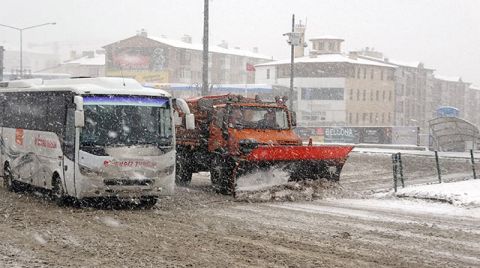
x=398, y=172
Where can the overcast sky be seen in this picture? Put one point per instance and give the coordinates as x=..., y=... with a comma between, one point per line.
x=444, y=34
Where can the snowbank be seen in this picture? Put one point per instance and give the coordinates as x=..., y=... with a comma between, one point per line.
x=462, y=193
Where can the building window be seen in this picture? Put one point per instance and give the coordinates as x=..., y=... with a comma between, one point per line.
x=358, y=73
x=321, y=46
x=356, y=118
x=371, y=74
x=364, y=73
x=351, y=94
x=364, y=95
x=350, y=118
x=364, y=117
x=389, y=96
x=383, y=118
x=376, y=117
x=358, y=94
x=377, y=95
x=331, y=46
x=268, y=73
x=322, y=93
x=381, y=75
x=371, y=118
x=383, y=95
x=371, y=95
x=389, y=117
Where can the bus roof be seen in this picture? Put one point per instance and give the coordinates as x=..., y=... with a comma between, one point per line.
x=82, y=86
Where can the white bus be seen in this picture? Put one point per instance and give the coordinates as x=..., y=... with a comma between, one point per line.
x=88, y=137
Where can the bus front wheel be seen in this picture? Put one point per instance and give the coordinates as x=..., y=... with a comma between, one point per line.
x=9, y=181
x=58, y=192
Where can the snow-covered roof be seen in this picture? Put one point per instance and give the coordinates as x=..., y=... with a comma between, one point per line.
x=412, y=64
x=475, y=87
x=328, y=37
x=448, y=78
x=16, y=49
x=97, y=59
x=328, y=58
x=99, y=85
x=211, y=48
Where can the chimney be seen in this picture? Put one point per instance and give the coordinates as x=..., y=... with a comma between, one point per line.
x=142, y=33
x=88, y=54
x=353, y=55
x=186, y=38
x=255, y=49
x=224, y=44
x=73, y=54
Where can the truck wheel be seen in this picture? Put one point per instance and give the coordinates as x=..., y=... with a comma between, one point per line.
x=221, y=175
x=183, y=174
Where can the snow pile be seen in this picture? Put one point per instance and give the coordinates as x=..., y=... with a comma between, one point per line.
x=262, y=179
x=110, y=222
x=293, y=191
x=39, y=239
x=462, y=193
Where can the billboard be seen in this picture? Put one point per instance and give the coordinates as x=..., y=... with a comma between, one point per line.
x=138, y=59
x=372, y=135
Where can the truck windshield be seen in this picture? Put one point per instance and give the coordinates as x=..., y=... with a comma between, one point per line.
x=258, y=118
x=125, y=121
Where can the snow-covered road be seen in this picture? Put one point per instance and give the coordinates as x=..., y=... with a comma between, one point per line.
x=200, y=228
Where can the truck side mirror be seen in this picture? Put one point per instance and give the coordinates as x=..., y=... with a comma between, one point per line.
x=293, y=119
x=189, y=121
x=177, y=119
x=79, y=114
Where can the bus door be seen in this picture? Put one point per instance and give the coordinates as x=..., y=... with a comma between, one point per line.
x=69, y=153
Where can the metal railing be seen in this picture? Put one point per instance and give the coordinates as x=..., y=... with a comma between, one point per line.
x=398, y=169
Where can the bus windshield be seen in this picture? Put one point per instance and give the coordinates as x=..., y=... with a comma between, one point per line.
x=126, y=121
x=258, y=118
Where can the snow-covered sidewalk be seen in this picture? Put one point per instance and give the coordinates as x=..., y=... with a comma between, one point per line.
x=462, y=193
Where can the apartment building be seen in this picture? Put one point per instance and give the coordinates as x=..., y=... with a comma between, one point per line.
x=159, y=59
x=333, y=89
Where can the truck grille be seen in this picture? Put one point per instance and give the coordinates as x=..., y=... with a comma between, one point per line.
x=128, y=182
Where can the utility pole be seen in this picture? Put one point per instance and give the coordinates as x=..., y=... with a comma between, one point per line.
x=205, y=49
x=292, y=56
x=1, y=63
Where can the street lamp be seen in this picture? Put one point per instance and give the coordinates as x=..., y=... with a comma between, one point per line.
x=21, y=39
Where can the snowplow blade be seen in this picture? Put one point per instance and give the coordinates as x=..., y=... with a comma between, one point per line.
x=267, y=167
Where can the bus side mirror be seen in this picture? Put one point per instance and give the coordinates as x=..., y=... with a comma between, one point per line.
x=189, y=121
x=293, y=119
x=79, y=115
x=79, y=119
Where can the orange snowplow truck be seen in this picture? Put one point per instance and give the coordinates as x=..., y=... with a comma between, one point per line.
x=234, y=136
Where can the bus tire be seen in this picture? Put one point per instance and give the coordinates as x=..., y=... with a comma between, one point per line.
x=147, y=202
x=9, y=181
x=58, y=193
